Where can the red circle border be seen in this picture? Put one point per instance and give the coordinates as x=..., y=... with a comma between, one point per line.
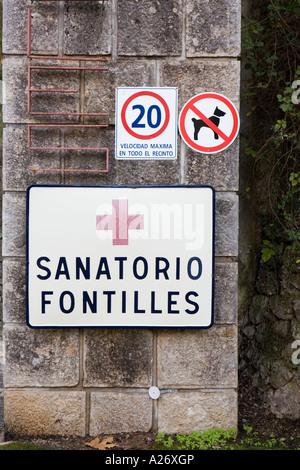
x=232, y=135
x=154, y=95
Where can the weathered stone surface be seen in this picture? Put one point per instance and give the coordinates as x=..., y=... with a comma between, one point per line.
x=285, y=401
x=43, y=358
x=200, y=76
x=18, y=159
x=14, y=27
x=114, y=412
x=61, y=76
x=14, y=224
x=220, y=170
x=197, y=358
x=118, y=358
x=150, y=27
x=226, y=224
x=213, y=28
x=43, y=413
x=258, y=308
x=94, y=160
x=184, y=412
x=148, y=172
x=225, y=293
x=87, y=28
x=14, y=89
x=15, y=85
x=44, y=27
x=14, y=290
x=100, y=87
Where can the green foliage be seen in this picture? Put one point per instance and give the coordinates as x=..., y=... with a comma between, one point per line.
x=271, y=54
x=253, y=441
x=219, y=439
x=196, y=440
x=267, y=251
x=20, y=446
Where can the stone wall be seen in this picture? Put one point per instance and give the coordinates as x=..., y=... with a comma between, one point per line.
x=269, y=322
x=85, y=382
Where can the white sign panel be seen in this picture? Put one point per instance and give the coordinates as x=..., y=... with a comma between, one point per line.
x=120, y=256
x=146, y=123
x=209, y=123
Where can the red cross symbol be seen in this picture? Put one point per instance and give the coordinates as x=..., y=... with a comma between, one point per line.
x=120, y=222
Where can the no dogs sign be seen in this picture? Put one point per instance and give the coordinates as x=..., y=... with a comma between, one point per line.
x=146, y=127
x=209, y=123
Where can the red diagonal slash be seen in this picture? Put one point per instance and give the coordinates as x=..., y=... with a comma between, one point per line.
x=185, y=123
x=209, y=123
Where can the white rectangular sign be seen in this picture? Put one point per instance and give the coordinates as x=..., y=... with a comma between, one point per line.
x=120, y=256
x=146, y=123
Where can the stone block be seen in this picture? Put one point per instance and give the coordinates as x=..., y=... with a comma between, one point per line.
x=100, y=87
x=226, y=224
x=15, y=92
x=14, y=290
x=44, y=27
x=14, y=27
x=150, y=27
x=14, y=224
x=213, y=28
x=148, y=172
x=43, y=358
x=118, y=358
x=18, y=159
x=90, y=160
x=43, y=413
x=197, y=358
x=15, y=81
x=59, y=75
x=220, y=170
x=115, y=412
x=226, y=293
x=200, y=76
x=87, y=28
x=285, y=401
x=184, y=412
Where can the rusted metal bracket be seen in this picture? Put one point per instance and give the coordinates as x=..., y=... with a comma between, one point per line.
x=36, y=90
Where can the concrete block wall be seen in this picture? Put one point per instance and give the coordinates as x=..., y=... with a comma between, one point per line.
x=86, y=382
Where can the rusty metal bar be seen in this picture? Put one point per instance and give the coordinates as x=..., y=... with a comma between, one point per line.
x=68, y=0
x=64, y=170
x=106, y=149
x=31, y=56
x=50, y=90
x=36, y=90
x=58, y=67
x=45, y=90
x=30, y=126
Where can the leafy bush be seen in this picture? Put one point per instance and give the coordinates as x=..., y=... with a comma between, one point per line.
x=271, y=53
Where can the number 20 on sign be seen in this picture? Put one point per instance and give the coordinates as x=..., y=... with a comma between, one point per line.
x=146, y=126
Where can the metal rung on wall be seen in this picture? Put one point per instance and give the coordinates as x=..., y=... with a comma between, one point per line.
x=68, y=0
x=46, y=90
x=31, y=56
x=49, y=90
x=79, y=126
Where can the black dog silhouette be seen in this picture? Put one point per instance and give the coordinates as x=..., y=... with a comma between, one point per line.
x=215, y=119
